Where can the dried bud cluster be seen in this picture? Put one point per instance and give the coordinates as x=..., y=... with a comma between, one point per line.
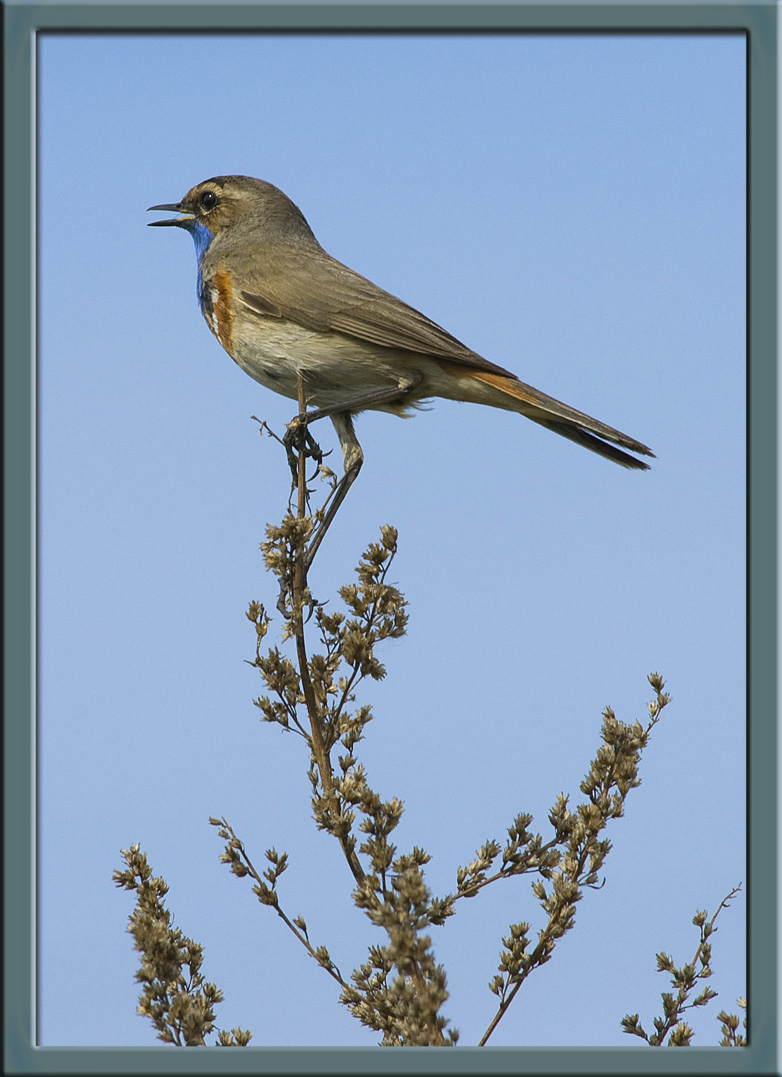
x=175, y=996
x=684, y=979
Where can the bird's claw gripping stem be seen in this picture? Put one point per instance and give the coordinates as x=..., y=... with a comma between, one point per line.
x=298, y=440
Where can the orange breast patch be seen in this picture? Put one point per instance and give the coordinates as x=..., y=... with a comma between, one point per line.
x=222, y=319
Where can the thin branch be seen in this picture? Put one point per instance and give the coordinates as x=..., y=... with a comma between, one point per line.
x=268, y=896
x=539, y=955
x=684, y=979
x=614, y=768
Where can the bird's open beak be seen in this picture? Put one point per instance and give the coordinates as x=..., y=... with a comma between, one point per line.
x=173, y=207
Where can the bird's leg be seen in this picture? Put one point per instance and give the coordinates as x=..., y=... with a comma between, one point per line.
x=393, y=394
x=353, y=457
x=298, y=428
x=297, y=435
x=298, y=439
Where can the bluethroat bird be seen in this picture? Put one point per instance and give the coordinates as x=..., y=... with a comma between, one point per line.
x=282, y=307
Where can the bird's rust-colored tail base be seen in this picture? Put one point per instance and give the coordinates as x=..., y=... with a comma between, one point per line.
x=562, y=419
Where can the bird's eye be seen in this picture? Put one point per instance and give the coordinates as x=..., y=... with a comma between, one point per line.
x=208, y=200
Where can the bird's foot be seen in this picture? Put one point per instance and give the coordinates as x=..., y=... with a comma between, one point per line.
x=298, y=441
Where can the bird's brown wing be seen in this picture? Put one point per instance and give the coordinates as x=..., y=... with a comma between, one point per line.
x=318, y=292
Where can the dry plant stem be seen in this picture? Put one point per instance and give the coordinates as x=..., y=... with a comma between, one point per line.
x=332, y=970
x=318, y=746
x=573, y=874
x=302, y=479
x=537, y=954
x=673, y=1020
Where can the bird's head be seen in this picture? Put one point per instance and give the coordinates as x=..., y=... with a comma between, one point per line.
x=226, y=204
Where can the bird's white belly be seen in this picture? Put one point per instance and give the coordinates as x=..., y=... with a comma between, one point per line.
x=335, y=368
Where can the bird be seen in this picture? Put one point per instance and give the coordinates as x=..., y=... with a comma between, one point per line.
x=283, y=308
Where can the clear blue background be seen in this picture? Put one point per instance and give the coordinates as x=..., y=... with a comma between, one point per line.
x=573, y=208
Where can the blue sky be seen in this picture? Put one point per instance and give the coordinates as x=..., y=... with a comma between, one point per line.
x=571, y=207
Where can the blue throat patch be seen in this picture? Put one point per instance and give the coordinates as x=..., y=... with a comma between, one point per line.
x=202, y=237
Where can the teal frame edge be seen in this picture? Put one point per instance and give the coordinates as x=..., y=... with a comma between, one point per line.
x=758, y=19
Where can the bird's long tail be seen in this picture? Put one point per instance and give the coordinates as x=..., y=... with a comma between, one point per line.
x=564, y=420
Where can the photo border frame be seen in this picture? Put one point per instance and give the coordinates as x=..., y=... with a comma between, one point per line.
x=23, y=23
